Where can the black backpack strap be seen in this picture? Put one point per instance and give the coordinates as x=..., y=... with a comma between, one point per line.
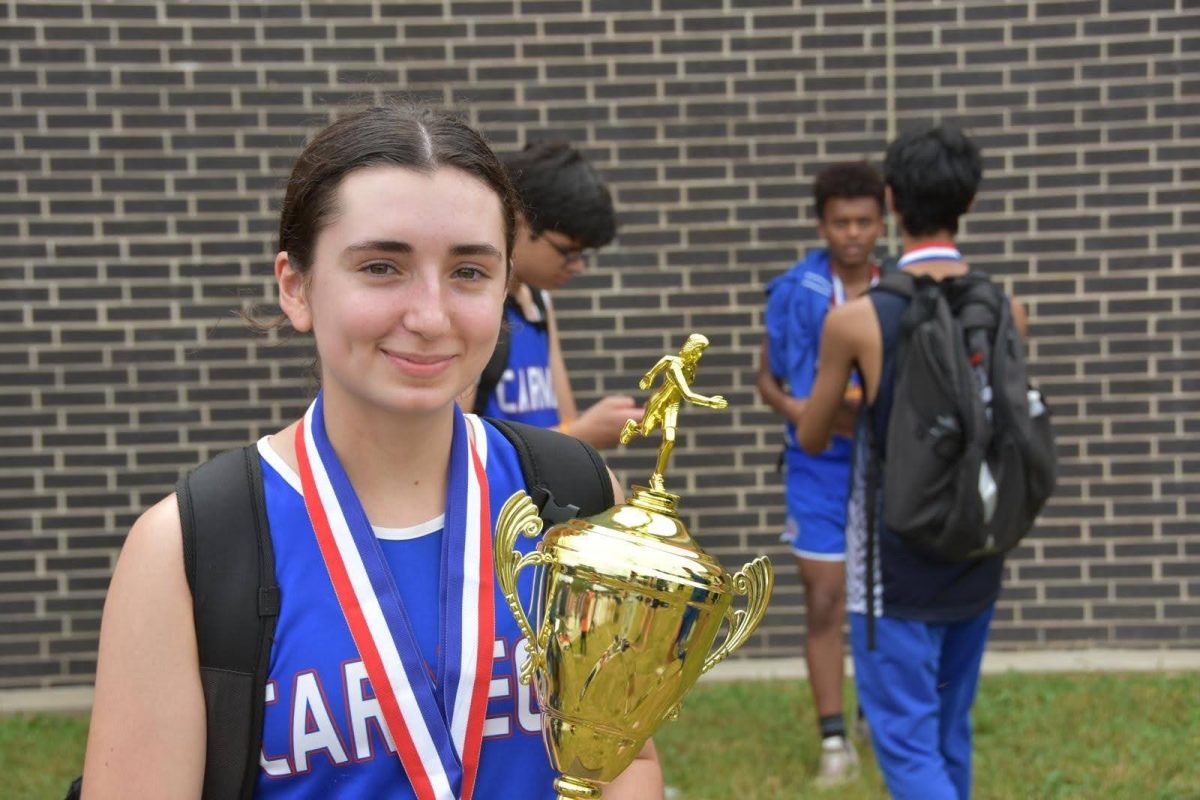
x=566, y=478
x=897, y=282
x=489, y=379
x=230, y=568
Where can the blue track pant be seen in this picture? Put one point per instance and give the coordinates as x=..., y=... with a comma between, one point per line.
x=916, y=688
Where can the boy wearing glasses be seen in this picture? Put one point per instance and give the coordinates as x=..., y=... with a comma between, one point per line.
x=568, y=213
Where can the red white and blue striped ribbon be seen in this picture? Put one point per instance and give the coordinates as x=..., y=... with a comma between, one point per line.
x=438, y=729
x=936, y=251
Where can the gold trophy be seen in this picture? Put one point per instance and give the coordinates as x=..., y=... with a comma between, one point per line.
x=627, y=606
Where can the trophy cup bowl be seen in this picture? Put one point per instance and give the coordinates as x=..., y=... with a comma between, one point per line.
x=627, y=609
x=626, y=606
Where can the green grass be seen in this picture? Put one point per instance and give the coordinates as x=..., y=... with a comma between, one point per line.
x=1049, y=737
x=40, y=754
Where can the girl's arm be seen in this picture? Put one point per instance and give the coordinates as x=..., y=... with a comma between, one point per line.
x=147, y=734
x=641, y=780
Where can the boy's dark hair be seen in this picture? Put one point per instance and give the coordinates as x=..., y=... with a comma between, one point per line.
x=560, y=191
x=847, y=180
x=934, y=174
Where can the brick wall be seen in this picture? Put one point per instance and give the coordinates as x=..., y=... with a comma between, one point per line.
x=142, y=146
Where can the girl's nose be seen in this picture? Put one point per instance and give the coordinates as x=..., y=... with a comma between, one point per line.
x=425, y=312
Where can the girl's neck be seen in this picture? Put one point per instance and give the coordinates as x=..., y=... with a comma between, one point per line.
x=398, y=464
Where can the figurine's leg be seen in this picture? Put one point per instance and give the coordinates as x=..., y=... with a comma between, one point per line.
x=668, y=443
x=629, y=431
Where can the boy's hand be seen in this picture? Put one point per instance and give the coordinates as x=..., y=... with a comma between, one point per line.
x=601, y=424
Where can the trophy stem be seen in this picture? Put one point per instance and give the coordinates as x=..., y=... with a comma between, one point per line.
x=568, y=788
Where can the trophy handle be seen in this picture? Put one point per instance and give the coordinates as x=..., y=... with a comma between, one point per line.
x=755, y=581
x=519, y=516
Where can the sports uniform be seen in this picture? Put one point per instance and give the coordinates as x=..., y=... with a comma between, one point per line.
x=323, y=732
x=816, y=485
x=525, y=389
x=918, y=683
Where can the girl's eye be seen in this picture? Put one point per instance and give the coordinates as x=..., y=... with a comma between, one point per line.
x=469, y=272
x=378, y=268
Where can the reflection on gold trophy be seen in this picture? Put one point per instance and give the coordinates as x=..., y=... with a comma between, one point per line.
x=627, y=607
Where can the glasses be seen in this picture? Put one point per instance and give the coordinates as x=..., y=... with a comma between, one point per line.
x=570, y=254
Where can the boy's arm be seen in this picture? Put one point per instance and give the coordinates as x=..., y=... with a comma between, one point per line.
x=567, y=410
x=1020, y=318
x=601, y=424
x=770, y=389
x=841, y=341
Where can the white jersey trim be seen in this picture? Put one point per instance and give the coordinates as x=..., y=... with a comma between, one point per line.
x=410, y=532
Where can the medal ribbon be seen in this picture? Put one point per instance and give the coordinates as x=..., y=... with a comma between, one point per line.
x=839, y=289
x=438, y=730
x=935, y=251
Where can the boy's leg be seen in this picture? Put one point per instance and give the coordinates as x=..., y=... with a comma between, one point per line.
x=819, y=545
x=897, y=687
x=824, y=610
x=958, y=678
x=824, y=653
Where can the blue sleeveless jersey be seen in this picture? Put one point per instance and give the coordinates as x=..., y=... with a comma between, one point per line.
x=322, y=731
x=908, y=584
x=525, y=392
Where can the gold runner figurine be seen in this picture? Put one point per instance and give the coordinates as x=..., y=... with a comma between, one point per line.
x=662, y=409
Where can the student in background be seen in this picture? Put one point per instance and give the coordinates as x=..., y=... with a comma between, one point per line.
x=566, y=214
x=917, y=680
x=848, y=202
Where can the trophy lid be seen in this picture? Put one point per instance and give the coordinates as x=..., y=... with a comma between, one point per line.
x=631, y=542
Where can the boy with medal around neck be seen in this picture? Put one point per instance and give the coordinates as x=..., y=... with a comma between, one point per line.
x=848, y=203
x=917, y=684
x=393, y=669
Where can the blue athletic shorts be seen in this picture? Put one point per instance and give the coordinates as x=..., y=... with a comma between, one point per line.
x=815, y=537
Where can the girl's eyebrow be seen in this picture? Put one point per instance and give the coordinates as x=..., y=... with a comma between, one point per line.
x=404, y=248
x=482, y=249
x=386, y=245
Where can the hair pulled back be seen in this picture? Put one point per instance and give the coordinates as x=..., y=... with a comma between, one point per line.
x=414, y=137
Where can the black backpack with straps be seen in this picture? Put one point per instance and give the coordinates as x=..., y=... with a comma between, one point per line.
x=230, y=568
x=969, y=459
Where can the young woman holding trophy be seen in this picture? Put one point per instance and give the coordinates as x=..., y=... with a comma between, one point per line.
x=394, y=661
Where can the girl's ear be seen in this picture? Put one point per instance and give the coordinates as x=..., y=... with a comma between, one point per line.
x=293, y=298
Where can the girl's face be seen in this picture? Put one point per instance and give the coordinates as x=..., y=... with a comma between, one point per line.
x=406, y=290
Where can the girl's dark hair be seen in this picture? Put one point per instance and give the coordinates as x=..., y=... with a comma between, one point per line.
x=848, y=180
x=934, y=174
x=414, y=137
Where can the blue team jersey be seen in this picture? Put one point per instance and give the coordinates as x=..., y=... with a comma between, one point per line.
x=525, y=391
x=322, y=732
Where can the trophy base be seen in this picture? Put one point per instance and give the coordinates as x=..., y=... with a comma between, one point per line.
x=655, y=500
x=568, y=788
